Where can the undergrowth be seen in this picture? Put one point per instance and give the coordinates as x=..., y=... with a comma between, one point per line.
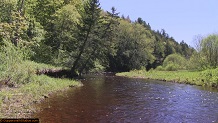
x=19, y=84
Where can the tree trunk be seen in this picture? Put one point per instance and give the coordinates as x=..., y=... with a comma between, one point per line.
x=84, y=65
x=81, y=52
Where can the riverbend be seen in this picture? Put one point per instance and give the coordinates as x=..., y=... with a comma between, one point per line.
x=108, y=98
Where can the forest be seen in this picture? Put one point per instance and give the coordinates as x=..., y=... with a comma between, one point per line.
x=79, y=36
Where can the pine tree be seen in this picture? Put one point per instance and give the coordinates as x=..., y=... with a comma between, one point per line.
x=105, y=42
x=89, y=21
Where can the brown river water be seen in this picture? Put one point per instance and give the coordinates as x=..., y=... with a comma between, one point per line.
x=111, y=99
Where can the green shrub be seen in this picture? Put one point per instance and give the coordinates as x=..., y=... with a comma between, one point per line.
x=175, y=62
x=172, y=67
x=160, y=68
x=198, y=62
x=210, y=77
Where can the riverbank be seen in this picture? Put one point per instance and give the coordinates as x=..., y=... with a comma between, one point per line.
x=200, y=78
x=18, y=101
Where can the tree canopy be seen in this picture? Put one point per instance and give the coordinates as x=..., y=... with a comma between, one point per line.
x=79, y=35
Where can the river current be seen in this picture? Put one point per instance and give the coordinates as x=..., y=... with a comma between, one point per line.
x=112, y=99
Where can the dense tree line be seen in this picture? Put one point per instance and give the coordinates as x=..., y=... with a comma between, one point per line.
x=79, y=35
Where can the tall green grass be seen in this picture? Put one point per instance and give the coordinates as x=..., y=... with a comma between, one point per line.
x=27, y=87
x=27, y=94
x=10, y=59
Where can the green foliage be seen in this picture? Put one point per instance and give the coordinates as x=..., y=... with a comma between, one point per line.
x=139, y=46
x=95, y=37
x=61, y=40
x=172, y=67
x=207, y=77
x=186, y=50
x=42, y=85
x=39, y=88
x=134, y=49
x=188, y=77
x=11, y=58
x=15, y=29
x=44, y=9
x=175, y=62
x=160, y=68
x=206, y=55
x=97, y=67
x=88, y=36
x=77, y=34
x=210, y=49
x=210, y=77
x=42, y=54
x=198, y=62
x=7, y=7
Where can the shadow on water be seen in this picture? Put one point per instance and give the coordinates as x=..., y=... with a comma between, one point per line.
x=107, y=98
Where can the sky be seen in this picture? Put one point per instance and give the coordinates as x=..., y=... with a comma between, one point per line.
x=181, y=19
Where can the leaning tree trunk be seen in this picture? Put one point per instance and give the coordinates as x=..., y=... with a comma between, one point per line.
x=73, y=69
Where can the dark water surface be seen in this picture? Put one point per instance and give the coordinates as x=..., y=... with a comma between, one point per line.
x=106, y=98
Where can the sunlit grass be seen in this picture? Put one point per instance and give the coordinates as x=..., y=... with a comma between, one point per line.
x=43, y=85
x=207, y=77
x=39, y=66
x=30, y=88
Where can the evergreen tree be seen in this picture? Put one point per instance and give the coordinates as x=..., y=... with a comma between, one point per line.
x=104, y=46
x=89, y=35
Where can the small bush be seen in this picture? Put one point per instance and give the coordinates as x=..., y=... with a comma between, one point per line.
x=210, y=77
x=171, y=67
x=160, y=68
x=175, y=62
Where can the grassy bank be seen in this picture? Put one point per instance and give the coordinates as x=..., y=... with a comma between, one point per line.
x=28, y=88
x=202, y=78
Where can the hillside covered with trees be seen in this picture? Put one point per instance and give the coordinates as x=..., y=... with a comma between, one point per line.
x=80, y=36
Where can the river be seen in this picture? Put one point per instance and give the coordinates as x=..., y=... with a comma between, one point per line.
x=107, y=98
